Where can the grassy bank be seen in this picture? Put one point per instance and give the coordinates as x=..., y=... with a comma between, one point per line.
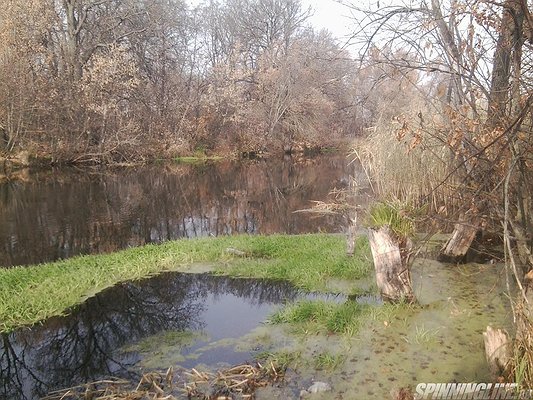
x=200, y=159
x=32, y=294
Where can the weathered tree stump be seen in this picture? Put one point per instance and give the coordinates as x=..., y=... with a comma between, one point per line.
x=351, y=237
x=391, y=264
x=458, y=245
x=498, y=350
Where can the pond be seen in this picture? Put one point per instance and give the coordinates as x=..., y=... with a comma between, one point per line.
x=171, y=319
x=54, y=214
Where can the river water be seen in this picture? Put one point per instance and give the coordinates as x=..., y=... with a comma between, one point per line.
x=55, y=214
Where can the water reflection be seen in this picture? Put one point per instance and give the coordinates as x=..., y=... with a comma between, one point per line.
x=82, y=347
x=58, y=214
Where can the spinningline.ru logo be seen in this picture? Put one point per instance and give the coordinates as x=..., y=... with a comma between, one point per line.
x=474, y=391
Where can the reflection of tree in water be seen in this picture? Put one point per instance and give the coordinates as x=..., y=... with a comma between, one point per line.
x=71, y=213
x=255, y=291
x=80, y=348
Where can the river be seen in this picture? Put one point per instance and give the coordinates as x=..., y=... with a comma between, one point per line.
x=59, y=213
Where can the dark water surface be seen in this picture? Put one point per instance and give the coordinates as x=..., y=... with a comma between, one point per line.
x=61, y=213
x=113, y=331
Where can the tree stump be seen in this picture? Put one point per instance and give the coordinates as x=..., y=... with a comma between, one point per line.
x=498, y=351
x=351, y=236
x=391, y=264
x=458, y=245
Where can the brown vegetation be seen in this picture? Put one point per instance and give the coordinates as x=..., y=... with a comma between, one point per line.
x=467, y=142
x=120, y=80
x=241, y=380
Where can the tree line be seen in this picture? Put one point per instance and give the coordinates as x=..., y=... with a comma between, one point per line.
x=120, y=80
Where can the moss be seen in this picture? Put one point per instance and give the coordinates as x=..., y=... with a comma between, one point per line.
x=164, y=342
x=32, y=294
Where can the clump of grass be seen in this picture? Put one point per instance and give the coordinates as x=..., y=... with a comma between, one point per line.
x=329, y=362
x=32, y=294
x=309, y=316
x=423, y=335
x=392, y=313
x=281, y=359
x=394, y=215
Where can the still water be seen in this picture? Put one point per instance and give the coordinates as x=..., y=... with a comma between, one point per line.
x=61, y=213
x=165, y=320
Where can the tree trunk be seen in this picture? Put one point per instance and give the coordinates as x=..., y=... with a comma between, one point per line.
x=501, y=68
x=392, y=271
x=458, y=245
x=509, y=44
x=73, y=26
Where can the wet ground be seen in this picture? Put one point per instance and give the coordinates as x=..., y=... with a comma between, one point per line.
x=438, y=341
x=208, y=322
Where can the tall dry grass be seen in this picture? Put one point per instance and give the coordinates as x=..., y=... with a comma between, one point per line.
x=407, y=157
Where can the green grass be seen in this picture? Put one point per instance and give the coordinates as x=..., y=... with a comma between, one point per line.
x=329, y=362
x=281, y=359
x=311, y=317
x=422, y=335
x=307, y=261
x=394, y=215
x=32, y=294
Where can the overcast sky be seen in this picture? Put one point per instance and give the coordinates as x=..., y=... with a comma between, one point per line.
x=330, y=15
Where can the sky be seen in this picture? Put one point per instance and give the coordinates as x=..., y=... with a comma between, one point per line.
x=330, y=15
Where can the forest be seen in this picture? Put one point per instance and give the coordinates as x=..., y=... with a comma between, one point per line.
x=92, y=81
